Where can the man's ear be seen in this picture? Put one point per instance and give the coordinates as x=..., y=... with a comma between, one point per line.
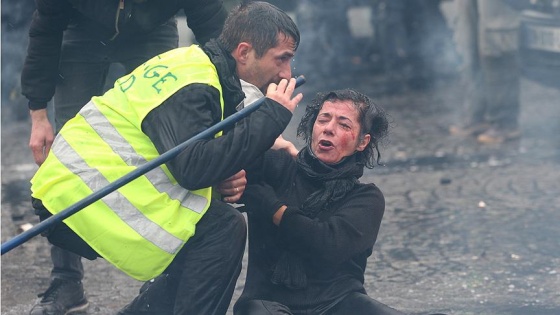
x=364, y=142
x=241, y=52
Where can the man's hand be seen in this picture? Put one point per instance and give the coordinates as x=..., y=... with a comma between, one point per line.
x=282, y=93
x=42, y=135
x=233, y=187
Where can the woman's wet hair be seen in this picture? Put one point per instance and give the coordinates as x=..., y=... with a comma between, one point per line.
x=372, y=118
x=258, y=23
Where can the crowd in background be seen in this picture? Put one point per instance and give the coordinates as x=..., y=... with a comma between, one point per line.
x=408, y=42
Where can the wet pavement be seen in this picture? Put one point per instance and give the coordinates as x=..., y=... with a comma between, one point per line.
x=468, y=228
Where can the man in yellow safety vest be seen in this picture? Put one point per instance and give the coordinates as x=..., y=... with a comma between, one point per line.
x=169, y=223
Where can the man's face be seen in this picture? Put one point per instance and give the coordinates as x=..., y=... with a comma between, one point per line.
x=273, y=66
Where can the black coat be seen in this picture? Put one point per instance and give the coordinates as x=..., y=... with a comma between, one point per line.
x=333, y=247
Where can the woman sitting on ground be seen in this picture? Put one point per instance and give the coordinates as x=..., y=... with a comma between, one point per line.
x=312, y=224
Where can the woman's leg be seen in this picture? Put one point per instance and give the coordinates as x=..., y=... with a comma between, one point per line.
x=260, y=307
x=360, y=303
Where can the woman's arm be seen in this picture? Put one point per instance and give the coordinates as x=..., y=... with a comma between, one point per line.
x=351, y=229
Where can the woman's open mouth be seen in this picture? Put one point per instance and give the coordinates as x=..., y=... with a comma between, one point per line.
x=325, y=145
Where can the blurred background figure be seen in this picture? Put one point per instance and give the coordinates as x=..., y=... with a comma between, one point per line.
x=326, y=42
x=486, y=34
x=408, y=43
x=413, y=42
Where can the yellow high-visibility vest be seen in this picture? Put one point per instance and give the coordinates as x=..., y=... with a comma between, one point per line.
x=142, y=226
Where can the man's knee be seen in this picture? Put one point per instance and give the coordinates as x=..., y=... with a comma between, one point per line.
x=61, y=235
x=236, y=228
x=230, y=218
x=238, y=223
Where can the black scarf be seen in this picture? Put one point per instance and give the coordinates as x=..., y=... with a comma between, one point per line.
x=336, y=181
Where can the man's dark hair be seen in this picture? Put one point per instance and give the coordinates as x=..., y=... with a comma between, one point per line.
x=257, y=23
x=372, y=118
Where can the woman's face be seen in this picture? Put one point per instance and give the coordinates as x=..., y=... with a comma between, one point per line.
x=336, y=132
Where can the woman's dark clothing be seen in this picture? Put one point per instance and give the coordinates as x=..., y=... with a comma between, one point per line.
x=333, y=247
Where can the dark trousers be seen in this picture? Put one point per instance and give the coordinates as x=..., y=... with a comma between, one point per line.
x=354, y=303
x=210, y=262
x=83, y=71
x=202, y=277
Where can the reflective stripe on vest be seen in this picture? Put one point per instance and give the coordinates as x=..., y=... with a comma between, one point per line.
x=120, y=146
x=120, y=205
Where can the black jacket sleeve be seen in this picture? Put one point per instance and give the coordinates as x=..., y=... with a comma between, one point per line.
x=205, y=163
x=205, y=18
x=40, y=70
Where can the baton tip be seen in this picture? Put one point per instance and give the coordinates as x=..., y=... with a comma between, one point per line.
x=300, y=80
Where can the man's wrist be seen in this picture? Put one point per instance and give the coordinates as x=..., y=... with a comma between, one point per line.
x=277, y=217
x=38, y=114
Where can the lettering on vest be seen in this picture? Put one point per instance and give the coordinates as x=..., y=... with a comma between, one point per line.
x=150, y=72
x=127, y=83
